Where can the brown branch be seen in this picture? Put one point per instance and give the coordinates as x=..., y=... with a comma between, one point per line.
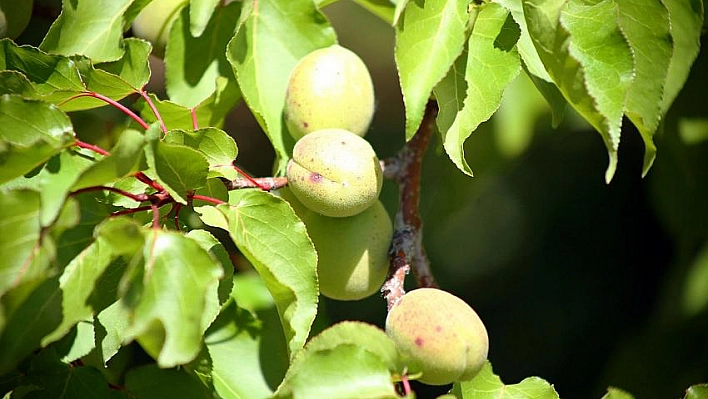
x=407, y=252
x=264, y=183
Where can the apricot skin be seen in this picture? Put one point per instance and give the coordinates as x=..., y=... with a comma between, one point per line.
x=329, y=88
x=440, y=334
x=352, y=252
x=154, y=22
x=334, y=173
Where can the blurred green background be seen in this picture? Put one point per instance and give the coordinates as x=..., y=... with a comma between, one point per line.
x=582, y=283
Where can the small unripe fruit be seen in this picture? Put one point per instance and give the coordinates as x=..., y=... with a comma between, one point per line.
x=352, y=252
x=334, y=173
x=154, y=22
x=329, y=88
x=440, y=334
x=14, y=17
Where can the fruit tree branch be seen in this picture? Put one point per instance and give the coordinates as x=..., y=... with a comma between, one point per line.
x=407, y=252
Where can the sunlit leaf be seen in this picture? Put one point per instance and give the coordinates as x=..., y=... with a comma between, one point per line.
x=273, y=35
x=90, y=28
x=429, y=37
x=645, y=24
x=125, y=158
x=217, y=146
x=169, y=296
x=588, y=58
x=492, y=63
x=486, y=385
x=274, y=240
x=200, y=12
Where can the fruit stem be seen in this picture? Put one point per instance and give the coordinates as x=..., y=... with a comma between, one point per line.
x=264, y=183
x=407, y=252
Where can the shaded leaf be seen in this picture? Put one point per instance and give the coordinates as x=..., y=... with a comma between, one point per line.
x=217, y=146
x=90, y=28
x=267, y=231
x=282, y=30
x=31, y=311
x=148, y=382
x=698, y=391
x=492, y=64
x=429, y=38
x=125, y=159
x=132, y=67
x=616, y=393
x=487, y=385
x=383, y=9
x=236, y=334
x=178, y=168
x=194, y=63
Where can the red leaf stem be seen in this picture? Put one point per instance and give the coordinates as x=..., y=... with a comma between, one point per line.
x=134, y=197
x=208, y=199
x=154, y=110
x=112, y=102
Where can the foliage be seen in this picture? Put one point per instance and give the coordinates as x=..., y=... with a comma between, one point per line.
x=116, y=277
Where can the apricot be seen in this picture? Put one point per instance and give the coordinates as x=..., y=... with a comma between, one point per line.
x=329, y=88
x=352, y=252
x=154, y=22
x=14, y=17
x=440, y=334
x=335, y=173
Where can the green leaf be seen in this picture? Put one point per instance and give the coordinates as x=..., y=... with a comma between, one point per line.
x=124, y=159
x=589, y=59
x=236, y=334
x=533, y=65
x=217, y=146
x=356, y=333
x=194, y=63
x=19, y=235
x=210, y=112
x=348, y=360
x=487, y=385
x=267, y=231
x=90, y=28
x=76, y=284
x=133, y=66
x=383, y=9
x=282, y=30
x=31, y=311
x=200, y=12
x=645, y=25
x=58, y=79
x=170, y=297
x=429, y=39
x=148, y=382
x=27, y=143
x=178, y=168
x=686, y=27
x=492, y=63
x=221, y=290
x=616, y=393
x=698, y=391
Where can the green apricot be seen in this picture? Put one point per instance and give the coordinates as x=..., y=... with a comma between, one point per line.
x=335, y=173
x=440, y=334
x=154, y=22
x=329, y=88
x=352, y=252
x=14, y=17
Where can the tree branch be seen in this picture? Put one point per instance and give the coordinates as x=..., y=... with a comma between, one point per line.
x=407, y=252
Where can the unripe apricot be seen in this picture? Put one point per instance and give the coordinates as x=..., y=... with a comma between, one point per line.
x=329, y=88
x=352, y=252
x=14, y=17
x=334, y=173
x=440, y=334
x=154, y=22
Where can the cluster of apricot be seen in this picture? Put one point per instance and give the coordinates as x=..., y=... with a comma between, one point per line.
x=334, y=180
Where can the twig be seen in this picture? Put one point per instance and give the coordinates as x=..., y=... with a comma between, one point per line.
x=264, y=183
x=407, y=252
